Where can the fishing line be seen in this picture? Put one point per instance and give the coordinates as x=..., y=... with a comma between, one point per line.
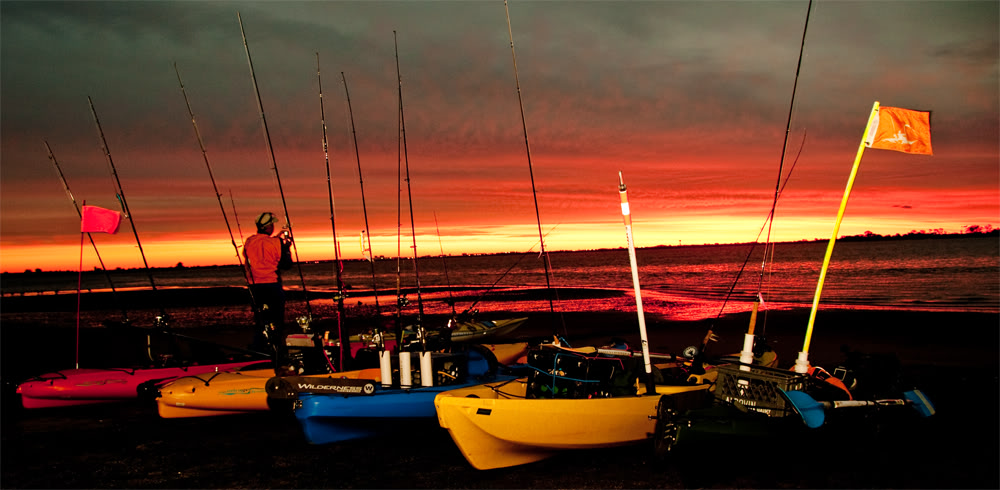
x=444, y=263
x=236, y=217
x=710, y=336
x=518, y=261
x=759, y=233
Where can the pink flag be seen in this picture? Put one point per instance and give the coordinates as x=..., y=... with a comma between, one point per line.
x=100, y=220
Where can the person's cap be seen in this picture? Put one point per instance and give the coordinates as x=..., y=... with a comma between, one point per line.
x=265, y=219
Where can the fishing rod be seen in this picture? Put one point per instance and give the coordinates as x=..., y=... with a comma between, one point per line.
x=274, y=167
x=337, y=266
x=215, y=188
x=364, y=207
x=409, y=191
x=746, y=354
x=426, y=366
x=444, y=263
x=401, y=300
x=710, y=334
x=781, y=160
x=527, y=147
x=759, y=233
x=79, y=213
x=120, y=195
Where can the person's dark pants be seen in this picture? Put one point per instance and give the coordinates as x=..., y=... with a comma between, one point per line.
x=269, y=299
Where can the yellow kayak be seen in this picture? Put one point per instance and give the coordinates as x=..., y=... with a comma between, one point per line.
x=495, y=426
x=227, y=393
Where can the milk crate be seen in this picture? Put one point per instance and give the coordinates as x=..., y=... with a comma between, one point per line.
x=758, y=389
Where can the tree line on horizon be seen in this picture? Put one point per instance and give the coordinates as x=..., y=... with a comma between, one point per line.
x=974, y=230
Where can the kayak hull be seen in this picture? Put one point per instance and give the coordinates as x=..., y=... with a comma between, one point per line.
x=327, y=417
x=71, y=387
x=214, y=394
x=495, y=426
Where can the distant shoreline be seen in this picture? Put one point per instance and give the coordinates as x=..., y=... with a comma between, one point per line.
x=873, y=237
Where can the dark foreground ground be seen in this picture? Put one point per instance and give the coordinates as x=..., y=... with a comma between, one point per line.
x=952, y=357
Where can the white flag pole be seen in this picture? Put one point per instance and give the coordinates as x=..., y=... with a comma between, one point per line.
x=627, y=216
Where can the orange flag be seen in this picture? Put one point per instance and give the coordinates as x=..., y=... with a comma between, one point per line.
x=100, y=220
x=901, y=130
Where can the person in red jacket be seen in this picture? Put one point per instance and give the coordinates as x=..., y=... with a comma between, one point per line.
x=266, y=254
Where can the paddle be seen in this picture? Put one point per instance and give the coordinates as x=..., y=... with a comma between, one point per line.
x=814, y=412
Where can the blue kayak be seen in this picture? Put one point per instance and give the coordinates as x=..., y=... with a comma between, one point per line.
x=333, y=414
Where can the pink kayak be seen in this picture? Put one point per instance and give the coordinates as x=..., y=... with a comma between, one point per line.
x=71, y=387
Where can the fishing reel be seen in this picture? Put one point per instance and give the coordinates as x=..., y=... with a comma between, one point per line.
x=304, y=323
x=161, y=321
x=690, y=352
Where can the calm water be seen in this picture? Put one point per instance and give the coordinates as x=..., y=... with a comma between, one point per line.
x=958, y=274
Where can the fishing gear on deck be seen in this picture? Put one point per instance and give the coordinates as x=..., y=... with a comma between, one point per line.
x=79, y=213
x=274, y=167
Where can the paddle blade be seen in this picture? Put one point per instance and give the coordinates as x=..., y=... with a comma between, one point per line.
x=813, y=413
x=920, y=403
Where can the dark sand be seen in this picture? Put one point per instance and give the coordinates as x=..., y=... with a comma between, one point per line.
x=952, y=357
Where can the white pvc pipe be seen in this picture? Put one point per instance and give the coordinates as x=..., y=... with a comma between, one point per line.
x=746, y=355
x=385, y=367
x=405, y=373
x=426, y=369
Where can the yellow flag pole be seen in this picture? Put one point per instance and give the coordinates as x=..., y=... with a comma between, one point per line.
x=802, y=363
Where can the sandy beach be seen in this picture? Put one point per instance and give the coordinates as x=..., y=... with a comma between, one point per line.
x=952, y=357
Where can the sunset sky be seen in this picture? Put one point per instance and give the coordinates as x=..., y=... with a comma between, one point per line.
x=688, y=99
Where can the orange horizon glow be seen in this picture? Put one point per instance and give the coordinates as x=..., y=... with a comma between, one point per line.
x=120, y=250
